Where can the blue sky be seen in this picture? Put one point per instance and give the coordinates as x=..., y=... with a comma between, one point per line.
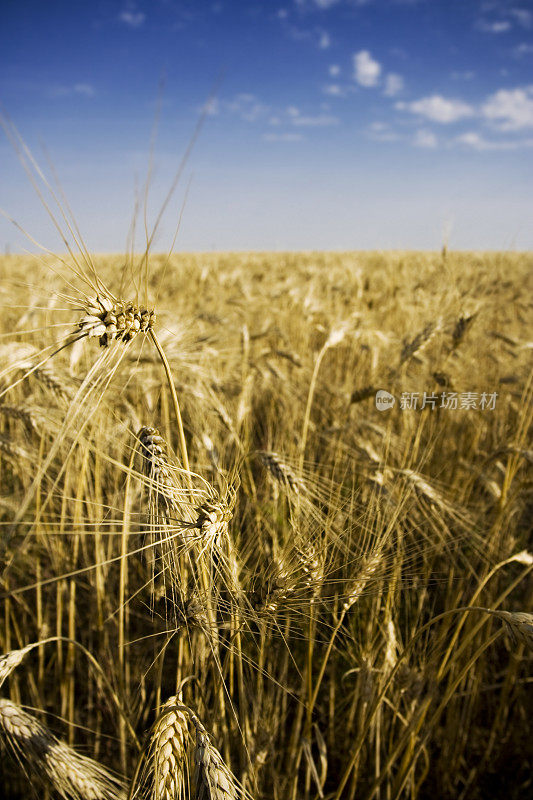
x=335, y=124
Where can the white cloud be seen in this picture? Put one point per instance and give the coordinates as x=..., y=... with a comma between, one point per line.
x=438, y=108
x=522, y=16
x=82, y=89
x=425, y=139
x=134, y=19
x=247, y=107
x=319, y=120
x=523, y=49
x=324, y=3
x=510, y=109
x=382, y=132
x=324, y=40
x=498, y=26
x=282, y=137
x=478, y=142
x=334, y=70
x=334, y=90
x=85, y=89
x=212, y=107
x=463, y=75
x=366, y=69
x=394, y=84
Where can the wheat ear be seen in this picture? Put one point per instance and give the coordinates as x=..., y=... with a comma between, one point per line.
x=281, y=472
x=161, y=769
x=11, y=660
x=109, y=319
x=72, y=776
x=214, y=781
x=156, y=467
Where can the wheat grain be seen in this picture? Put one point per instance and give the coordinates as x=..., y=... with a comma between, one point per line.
x=109, y=319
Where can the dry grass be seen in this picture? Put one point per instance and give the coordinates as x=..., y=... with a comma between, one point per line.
x=212, y=506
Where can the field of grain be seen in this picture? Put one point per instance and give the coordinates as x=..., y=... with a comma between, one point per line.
x=283, y=591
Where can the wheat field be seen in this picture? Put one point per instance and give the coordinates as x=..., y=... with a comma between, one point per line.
x=225, y=572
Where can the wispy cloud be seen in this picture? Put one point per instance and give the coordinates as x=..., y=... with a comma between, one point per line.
x=334, y=90
x=249, y=108
x=80, y=89
x=324, y=40
x=282, y=137
x=211, y=107
x=318, y=121
x=394, y=84
x=478, y=142
x=426, y=139
x=510, y=109
x=382, y=132
x=132, y=18
x=310, y=120
x=523, y=49
x=317, y=36
x=463, y=75
x=523, y=16
x=496, y=26
x=438, y=108
x=367, y=70
x=506, y=18
x=334, y=70
x=86, y=89
x=246, y=106
x=323, y=4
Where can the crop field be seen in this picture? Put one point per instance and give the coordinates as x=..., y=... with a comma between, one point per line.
x=228, y=568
